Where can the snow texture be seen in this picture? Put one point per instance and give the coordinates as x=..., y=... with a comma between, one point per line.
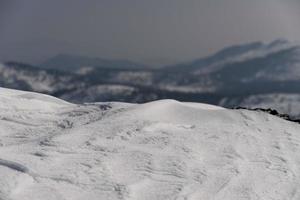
x=284, y=103
x=54, y=150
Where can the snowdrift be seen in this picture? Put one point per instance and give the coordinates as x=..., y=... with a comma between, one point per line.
x=51, y=149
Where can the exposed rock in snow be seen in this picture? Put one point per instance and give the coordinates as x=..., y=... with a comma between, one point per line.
x=50, y=149
x=283, y=103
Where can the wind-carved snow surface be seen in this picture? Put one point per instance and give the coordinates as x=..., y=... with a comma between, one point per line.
x=50, y=149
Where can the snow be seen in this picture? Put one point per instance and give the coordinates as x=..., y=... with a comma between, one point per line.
x=18, y=100
x=51, y=149
x=255, y=53
x=34, y=79
x=284, y=103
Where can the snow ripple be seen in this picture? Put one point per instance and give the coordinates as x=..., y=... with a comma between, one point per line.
x=161, y=150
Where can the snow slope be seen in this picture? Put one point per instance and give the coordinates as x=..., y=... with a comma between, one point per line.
x=50, y=149
x=282, y=102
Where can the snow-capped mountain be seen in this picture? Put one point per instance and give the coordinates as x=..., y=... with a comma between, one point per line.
x=234, y=76
x=249, y=63
x=70, y=86
x=27, y=77
x=54, y=150
x=235, y=54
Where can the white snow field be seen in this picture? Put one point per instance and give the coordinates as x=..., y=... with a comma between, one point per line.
x=54, y=150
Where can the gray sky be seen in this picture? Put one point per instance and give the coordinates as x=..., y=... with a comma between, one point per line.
x=176, y=30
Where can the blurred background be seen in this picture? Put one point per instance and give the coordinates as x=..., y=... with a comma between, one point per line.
x=230, y=53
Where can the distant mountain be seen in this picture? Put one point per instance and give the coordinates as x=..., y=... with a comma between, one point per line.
x=220, y=58
x=67, y=62
x=247, y=69
x=74, y=87
x=249, y=75
x=27, y=77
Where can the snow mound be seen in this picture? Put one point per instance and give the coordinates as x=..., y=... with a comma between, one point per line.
x=29, y=100
x=52, y=150
x=171, y=110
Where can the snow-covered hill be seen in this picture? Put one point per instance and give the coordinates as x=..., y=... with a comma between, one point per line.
x=51, y=149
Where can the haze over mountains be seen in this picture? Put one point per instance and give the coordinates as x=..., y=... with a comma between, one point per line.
x=250, y=75
x=67, y=62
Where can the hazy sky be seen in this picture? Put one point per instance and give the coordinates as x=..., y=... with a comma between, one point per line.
x=33, y=30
